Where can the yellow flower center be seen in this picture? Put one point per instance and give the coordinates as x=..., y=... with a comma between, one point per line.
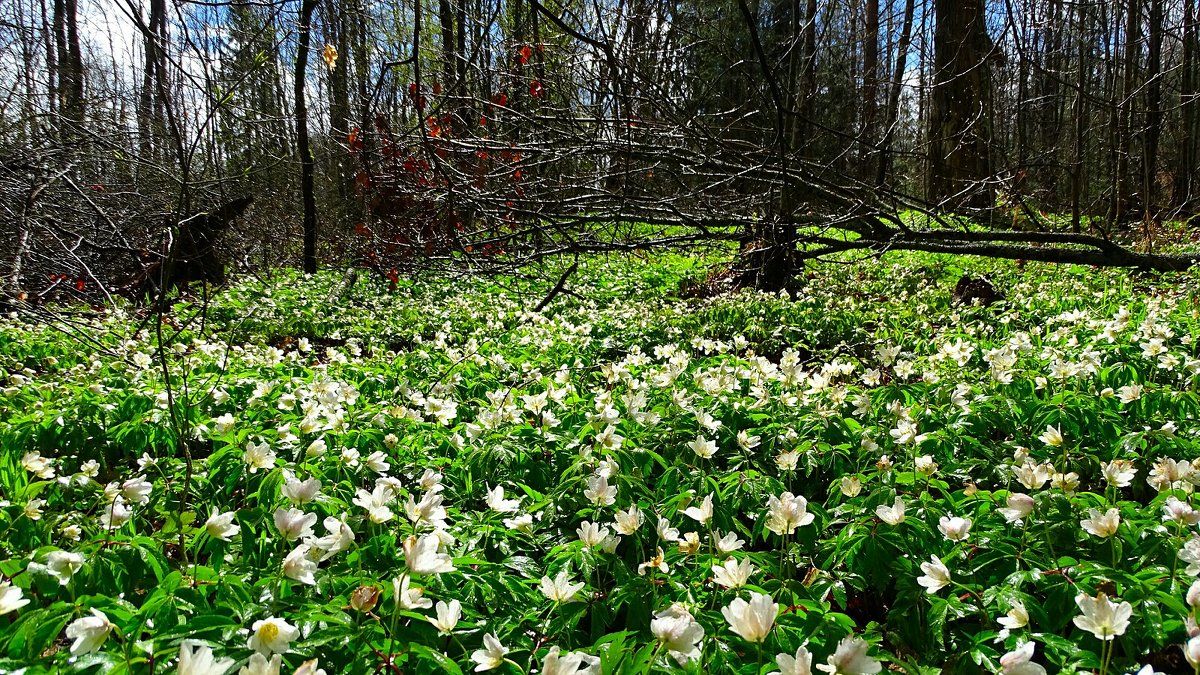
x=268, y=632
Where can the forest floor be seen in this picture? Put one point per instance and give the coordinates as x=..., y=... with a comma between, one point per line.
x=858, y=472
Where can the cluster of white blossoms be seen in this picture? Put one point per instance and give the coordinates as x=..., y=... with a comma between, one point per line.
x=537, y=456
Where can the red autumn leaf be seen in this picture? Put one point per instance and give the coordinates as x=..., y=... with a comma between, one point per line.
x=79, y=284
x=500, y=99
x=412, y=88
x=483, y=121
x=96, y=187
x=526, y=52
x=535, y=88
x=437, y=88
x=356, y=143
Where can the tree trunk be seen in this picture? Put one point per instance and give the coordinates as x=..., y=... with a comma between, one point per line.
x=960, y=119
x=1154, y=113
x=307, y=195
x=893, y=103
x=149, y=111
x=1078, y=112
x=1025, y=65
x=70, y=61
x=446, y=23
x=460, y=71
x=808, y=80
x=339, y=86
x=50, y=44
x=769, y=257
x=1053, y=109
x=337, y=28
x=1121, y=198
x=1186, y=169
x=61, y=76
x=870, y=94
x=361, y=75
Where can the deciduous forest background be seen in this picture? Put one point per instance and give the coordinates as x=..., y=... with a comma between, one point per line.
x=496, y=131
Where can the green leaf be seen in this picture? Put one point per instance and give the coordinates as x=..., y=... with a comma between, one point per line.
x=435, y=658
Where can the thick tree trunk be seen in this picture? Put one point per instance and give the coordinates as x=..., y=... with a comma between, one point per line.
x=70, y=59
x=769, y=257
x=960, y=119
x=307, y=192
x=336, y=13
x=337, y=28
x=870, y=94
x=1121, y=197
x=1053, y=108
x=361, y=76
x=1051, y=247
x=1025, y=66
x=149, y=111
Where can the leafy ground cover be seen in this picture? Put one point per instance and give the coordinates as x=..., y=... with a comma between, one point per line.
x=854, y=477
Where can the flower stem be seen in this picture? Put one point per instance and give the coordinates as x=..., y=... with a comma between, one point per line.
x=1106, y=652
x=653, y=658
x=978, y=598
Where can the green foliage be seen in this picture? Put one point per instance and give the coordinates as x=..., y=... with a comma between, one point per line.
x=861, y=387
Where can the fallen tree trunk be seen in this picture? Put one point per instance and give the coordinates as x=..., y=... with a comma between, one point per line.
x=1051, y=247
x=816, y=240
x=339, y=294
x=1115, y=258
